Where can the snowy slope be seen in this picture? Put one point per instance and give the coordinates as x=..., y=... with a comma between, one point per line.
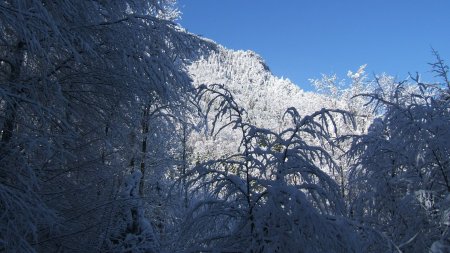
x=264, y=96
x=256, y=89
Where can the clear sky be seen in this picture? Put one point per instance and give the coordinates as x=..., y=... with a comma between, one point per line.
x=300, y=39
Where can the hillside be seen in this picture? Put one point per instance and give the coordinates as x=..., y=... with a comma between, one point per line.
x=264, y=96
x=246, y=75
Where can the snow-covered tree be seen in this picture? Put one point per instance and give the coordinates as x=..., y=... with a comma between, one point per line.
x=271, y=196
x=400, y=180
x=76, y=80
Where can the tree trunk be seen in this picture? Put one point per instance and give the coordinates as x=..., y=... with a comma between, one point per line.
x=10, y=112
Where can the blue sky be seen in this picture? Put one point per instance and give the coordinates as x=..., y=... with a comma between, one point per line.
x=300, y=39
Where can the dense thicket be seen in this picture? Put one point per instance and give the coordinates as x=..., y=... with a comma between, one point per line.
x=85, y=86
